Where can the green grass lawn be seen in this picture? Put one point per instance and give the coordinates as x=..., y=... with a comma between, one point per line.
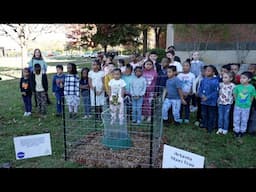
x=219, y=151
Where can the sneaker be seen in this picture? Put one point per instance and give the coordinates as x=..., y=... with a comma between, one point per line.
x=89, y=116
x=138, y=122
x=28, y=113
x=241, y=134
x=237, y=134
x=224, y=132
x=219, y=131
x=180, y=121
x=193, y=109
x=197, y=123
x=25, y=114
x=142, y=118
x=186, y=121
x=177, y=123
x=149, y=119
x=85, y=117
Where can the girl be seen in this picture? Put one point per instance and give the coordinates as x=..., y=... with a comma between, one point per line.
x=71, y=90
x=85, y=92
x=187, y=78
x=26, y=91
x=121, y=65
x=149, y=73
x=208, y=92
x=138, y=89
x=225, y=101
x=116, y=101
x=96, y=83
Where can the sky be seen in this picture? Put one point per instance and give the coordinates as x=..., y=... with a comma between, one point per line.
x=8, y=43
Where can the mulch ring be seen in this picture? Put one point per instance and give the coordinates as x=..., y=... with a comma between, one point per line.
x=91, y=152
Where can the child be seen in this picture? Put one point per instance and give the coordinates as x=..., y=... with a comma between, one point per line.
x=235, y=67
x=127, y=77
x=108, y=77
x=138, y=89
x=71, y=90
x=208, y=92
x=26, y=91
x=153, y=57
x=174, y=96
x=225, y=101
x=85, y=92
x=121, y=65
x=96, y=83
x=171, y=54
x=225, y=69
x=195, y=88
x=244, y=94
x=149, y=73
x=116, y=100
x=252, y=118
x=187, y=78
x=196, y=64
x=40, y=87
x=58, y=88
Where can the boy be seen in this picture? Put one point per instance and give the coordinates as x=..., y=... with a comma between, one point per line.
x=58, y=87
x=174, y=96
x=40, y=87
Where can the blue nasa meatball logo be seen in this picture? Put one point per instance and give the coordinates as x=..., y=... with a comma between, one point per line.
x=21, y=155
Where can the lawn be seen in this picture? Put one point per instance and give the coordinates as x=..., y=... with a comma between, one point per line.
x=219, y=151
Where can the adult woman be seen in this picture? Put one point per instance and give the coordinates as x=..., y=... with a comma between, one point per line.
x=38, y=58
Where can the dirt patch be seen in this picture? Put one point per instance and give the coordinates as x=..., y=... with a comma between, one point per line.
x=91, y=152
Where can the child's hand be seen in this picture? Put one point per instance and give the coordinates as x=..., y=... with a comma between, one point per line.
x=204, y=98
x=183, y=102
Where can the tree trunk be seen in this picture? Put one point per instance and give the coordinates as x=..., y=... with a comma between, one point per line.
x=145, y=40
x=24, y=56
x=105, y=48
x=157, y=35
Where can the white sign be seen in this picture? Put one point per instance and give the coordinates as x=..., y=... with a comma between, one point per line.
x=178, y=158
x=32, y=146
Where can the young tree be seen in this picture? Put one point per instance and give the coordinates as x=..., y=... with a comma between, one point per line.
x=80, y=35
x=116, y=34
x=24, y=34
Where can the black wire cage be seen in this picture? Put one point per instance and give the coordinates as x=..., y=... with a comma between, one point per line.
x=110, y=139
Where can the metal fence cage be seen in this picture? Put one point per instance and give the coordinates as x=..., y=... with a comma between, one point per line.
x=98, y=142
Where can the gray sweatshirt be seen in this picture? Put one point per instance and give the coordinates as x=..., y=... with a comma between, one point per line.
x=138, y=86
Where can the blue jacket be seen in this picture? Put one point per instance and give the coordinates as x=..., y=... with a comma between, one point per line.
x=56, y=86
x=209, y=87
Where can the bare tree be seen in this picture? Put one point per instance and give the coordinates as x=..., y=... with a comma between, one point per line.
x=244, y=37
x=24, y=34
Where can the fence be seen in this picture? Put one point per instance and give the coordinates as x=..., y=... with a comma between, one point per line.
x=111, y=139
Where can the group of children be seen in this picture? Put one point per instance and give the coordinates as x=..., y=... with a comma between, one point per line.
x=216, y=97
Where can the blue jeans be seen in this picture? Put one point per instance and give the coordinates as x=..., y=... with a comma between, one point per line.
x=137, y=109
x=223, y=116
x=208, y=117
x=87, y=105
x=175, y=104
x=58, y=96
x=27, y=103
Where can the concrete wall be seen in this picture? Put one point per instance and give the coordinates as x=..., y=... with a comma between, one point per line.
x=219, y=57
